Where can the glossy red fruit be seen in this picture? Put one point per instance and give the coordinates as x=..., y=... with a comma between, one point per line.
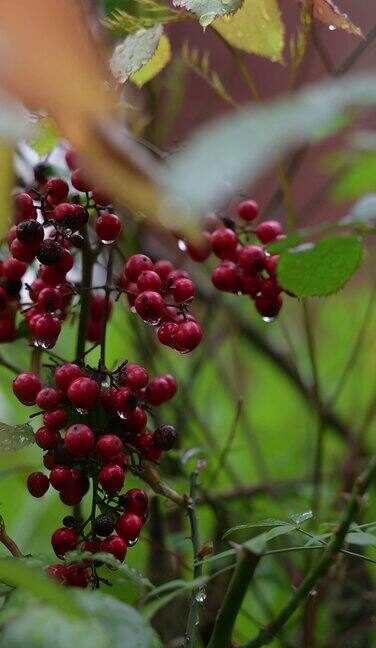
x=65, y=261
x=37, y=484
x=163, y=267
x=72, y=159
x=267, y=231
x=57, y=189
x=225, y=277
x=46, y=438
x=108, y=448
x=79, y=440
x=24, y=207
x=248, y=210
x=51, y=276
x=83, y=392
x=149, y=280
x=126, y=401
x=182, y=290
x=26, y=387
x=76, y=575
x=7, y=329
x=47, y=329
x=114, y=545
x=135, y=501
x=128, y=527
x=79, y=181
x=150, y=306
x=108, y=227
x=101, y=198
x=111, y=477
x=56, y=572
x=166, y=333
x=63, y=212
x=55, y=419
x=72, y=495
x=136, y=264
x=224, y=241
x=200, y=250
x=136, y=421
x=187, y=337
x=22, y=251
x=134, y=376
x=61, y=478
x=267, y=306
x=49, y=460
x=66, y=374
x=271, y=264
x=251, y=258
x=63, y=540
x=14, y=269
x=161, y=389
x=50, y=299
x=250, y=283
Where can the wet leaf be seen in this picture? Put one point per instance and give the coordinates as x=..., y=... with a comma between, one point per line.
x=208, y=10
x=13, y=437
x=256, y=28
x=327, y=12
x=320, y=269
x=134, y=52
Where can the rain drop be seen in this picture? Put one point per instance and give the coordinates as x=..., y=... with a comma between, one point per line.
x=200, y=596
x=81, y=410
x=332, y=27
x=268, y=320
x=131, y=543
x=182, y=245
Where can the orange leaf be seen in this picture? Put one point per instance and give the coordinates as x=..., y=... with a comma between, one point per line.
x=328, y=13
x=50, y=60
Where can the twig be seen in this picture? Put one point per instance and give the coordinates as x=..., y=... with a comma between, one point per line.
x=149, y=474
x=87, y=266
x=322, y=567
x=194, y=605
x=236, y=591
x=7, y=541
x=106, y=306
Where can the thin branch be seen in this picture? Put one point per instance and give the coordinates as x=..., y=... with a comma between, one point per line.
x=9, y=365
x=194, y=605
x=106, y=306
x=87, y=267
x=323, y=565
x=7, y=541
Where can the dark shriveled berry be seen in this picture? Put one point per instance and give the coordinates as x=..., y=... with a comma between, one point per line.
x=49, y=252
x=30, y=232
x=165, y=437
x=104, y=524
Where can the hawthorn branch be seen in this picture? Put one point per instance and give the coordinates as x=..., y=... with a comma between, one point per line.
x=267, y=634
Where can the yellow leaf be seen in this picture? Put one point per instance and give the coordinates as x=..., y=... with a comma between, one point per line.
x=6, y=185
x=158, y=61
x=256, y=28
x=328, y=13
x=45, y=136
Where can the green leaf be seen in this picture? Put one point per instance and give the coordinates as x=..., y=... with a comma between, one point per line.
x=300, y=518
x=13, y=437
x=217, y=152
x=123, y=624
x=268, y=522
x=135, y=50
x=327, y=12
x=155, y=65
x=257, y=544
x=361, y=538
x=320, y=268
x=17, y=573
x=208, y=10
x=256, y=28
x=362, y=212
x=358, y=177
x=44, y=627
x=45, y=136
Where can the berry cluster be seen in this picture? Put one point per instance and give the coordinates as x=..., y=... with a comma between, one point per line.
x=246, y=267
x=86, y=451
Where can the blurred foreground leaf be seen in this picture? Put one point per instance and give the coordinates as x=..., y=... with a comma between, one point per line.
x=6, y=185
x=155, y=65
x=362, y=212
x=320, y=269
x=256, y=28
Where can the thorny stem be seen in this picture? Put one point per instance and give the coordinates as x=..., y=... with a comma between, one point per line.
x=236, y=591
x=194, y=606
x=319, y=570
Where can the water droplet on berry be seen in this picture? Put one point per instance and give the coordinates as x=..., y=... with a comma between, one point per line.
x=133, y=310
x=268, y=320
x=42, y=344
x=122, y=415
x=131, y=543
x=81, y=410
x=182, y=245
x=107, y=242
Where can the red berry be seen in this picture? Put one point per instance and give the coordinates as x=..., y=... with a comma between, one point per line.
x=248, y=210
x=22, y=251
x=80, y=182
x=149, y=280
x=108, y=227
x=161, y=389
x=126, y=400
x=134, y=376
x=182, y=290
x=64, y=262
x=55, y=419
x=61, y=478
x=100, y=197
x=50, y=299
x=57, y=189
x=251, y=258
x=71, y=158
x=268, y=306
x=56, y=572
x=225, y=277
x=108, y=448
x=49, y=460
x=111, y=477
x=24, y=207
x=163, y=267
x=149, y=305
x=26, y=387
x=13, y=269
x=7, y=329
x=271, y=264
x=166, y=333
x=200, y=250
x=135, y=501
x=79, y=440
x=114, y=545
x=76, y=575
x=47, y=329
x=224, y=241
x=63, y=212
x=187, y=337
x=83, y=392
x=37, y=484
x=66, y=374
x=136, y=420
x=63, y=540
x=46, y=438
x=3, y=298
x=267, y=231
x=72, y=495
x=128, y=527
x=51, y=276
x=250, y=283
x=136, y=264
